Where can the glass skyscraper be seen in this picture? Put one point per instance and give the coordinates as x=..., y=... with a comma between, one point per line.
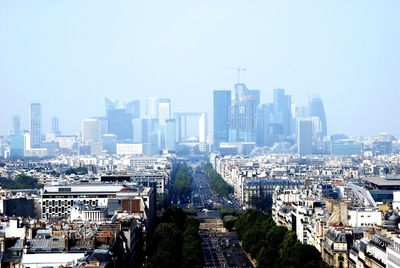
x=133, y=108
x=16, y=125
x=35, y=124
x=282, y=111
x=221, y=109
x=317, y=109
x=120, y=124
x=305, y=137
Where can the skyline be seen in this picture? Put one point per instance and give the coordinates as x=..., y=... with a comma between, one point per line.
x=132, y=51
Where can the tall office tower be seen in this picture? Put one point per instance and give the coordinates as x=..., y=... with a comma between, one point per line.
x=120, y=124
x=305, y=137
x=36, y=124
x=16, y=125
x=152, y=107
x=17, y=146
x=140, y=133
x=109, y=105
x=55, y=129
x=133, y=108
x=164, y=110
x=282, y=112
x=170, y=134
x=203, y=123
x=317, y=109
x=256, y=94
x=109, y=143
x=263, y=122
x=243, y=115
x=103, y=124
x=221, y=108
x=90, y=130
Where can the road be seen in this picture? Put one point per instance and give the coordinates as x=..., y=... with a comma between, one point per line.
x=219, y=249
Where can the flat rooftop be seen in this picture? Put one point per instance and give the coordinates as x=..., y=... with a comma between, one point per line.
x=383, y=181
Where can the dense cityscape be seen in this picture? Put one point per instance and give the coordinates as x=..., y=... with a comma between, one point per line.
x=199, y=134
x=266, y=187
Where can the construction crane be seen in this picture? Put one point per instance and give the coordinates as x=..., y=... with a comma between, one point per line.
x=238, y=69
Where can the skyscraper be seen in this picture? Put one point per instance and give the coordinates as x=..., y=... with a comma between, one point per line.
x=221, y=109
x=170, y=134
x=35, y=124
x=109, y=105
x=90, y=130
x=282, y=112
x=317, y=109
x=152, y=107
x=304, y=137
x=164, y=110
x=243, y=114
x=16, y=125
x=133, y=108
x=263, y=122
x=55, y=126
x=120, y=124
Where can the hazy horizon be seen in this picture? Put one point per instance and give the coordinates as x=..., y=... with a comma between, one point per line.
x=69, y=55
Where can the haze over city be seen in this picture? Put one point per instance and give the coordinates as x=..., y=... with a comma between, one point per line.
x=70, y=55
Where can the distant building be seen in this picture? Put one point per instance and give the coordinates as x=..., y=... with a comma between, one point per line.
x=221, y=109
x=90, y=130
x=120, y=124
x=304, y=137
x=243, y=114
x=170, y=134
x=55, y=128
x=129, y=148
x=17, y=146
x=164, y=110
x=317, y=109
x=109, y=143
x=152, y=107
x=16, y=125
x=263, y=122
x=103, y=121
x=140, y=132
x=133, y=108
x=346, y=147
x=282, y=112
x=109, y=105
x=35, y=124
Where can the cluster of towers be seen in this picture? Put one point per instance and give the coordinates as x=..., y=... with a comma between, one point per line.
x=240, y=117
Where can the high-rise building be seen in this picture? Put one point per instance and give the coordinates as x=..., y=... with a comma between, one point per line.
x=305, y=137
x=164, y=110
x=109, y=143
x=140, y=127
x=16, y=125
x=263, y=122
x=120, y=124
x=221, y=109
x=103, y=124
x=90, y=130
x=152, y=107
x=133, y=108
x=35, y=124
x=282, y=112
x=243, y=114
x=55, y=129
x=170, y=134
x=109, y=105
x=317, y=109
x=17, y=146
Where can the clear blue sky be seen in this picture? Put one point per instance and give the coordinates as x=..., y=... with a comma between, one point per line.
x=69, y=54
